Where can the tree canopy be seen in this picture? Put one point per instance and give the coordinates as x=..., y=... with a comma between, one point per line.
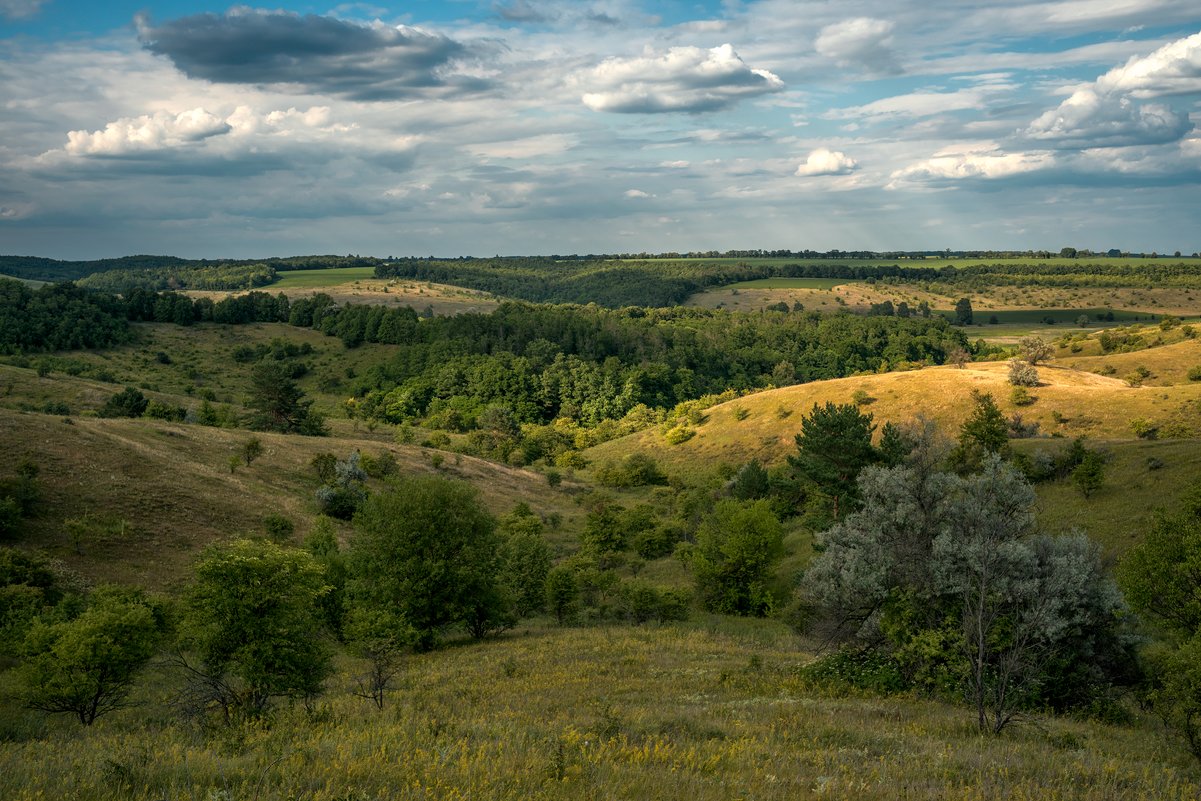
x=252, y=618
x=425, y=551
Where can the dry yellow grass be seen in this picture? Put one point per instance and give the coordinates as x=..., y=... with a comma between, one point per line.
x=442, y=298
x=859, y=296
x=1091, y=405
x=1169, y=364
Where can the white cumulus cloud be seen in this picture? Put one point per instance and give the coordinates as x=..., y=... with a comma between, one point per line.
x=1173, y=69
x=973, y=162
x=1109, y=113
x=1088, y=119
x=147, y=132
x=824, y=161
x=688, y=79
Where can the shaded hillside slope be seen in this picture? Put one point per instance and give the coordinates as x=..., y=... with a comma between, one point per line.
x=173, y=486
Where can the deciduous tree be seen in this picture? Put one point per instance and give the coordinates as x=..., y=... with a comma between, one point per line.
x=86, y=666
x=426, y=550
x=253, y=625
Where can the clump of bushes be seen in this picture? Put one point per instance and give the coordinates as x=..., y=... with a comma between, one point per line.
x=635, y=470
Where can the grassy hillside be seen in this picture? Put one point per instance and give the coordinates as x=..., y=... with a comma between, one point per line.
x=1070, y=403
x=1011, y=305
x=709, y=710
x=353, y=285
x=762, y=425
x=173, y=486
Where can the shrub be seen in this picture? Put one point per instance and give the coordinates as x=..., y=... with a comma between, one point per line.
x=278, y=528
x=1019, y=429
x=1020, y=396
x=679, y=434
x=635, y=470
x=157, y=410
x=130, y=402
x=562, y=594
x=736, y=549
x=1144, y=428
x=1022, y=373
x=858, y=669
x=252, y=449
x=1035, y=350
x=86, y=666
x=56, y=407
x=640, y=602
x=1194, y=373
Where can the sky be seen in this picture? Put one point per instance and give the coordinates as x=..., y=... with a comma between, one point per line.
x=483, y=127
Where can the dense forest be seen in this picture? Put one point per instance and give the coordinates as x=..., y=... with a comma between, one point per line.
x=59, y=317
x=522, y=364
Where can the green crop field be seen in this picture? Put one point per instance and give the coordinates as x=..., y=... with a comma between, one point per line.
x=311, y=279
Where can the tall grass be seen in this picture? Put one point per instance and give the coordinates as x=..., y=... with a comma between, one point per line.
x=695, y=711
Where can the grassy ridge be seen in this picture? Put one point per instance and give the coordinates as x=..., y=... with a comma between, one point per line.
x=700, y=711
x=939, y=262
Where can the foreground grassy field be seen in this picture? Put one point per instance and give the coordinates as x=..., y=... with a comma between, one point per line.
x=706, y=710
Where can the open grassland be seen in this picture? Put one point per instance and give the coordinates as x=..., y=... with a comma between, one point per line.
x=1165, y=365
x=172, y=485
x=938, y=262
x=1022, y=306
x=1141, y=477
x=312, y=279
x=700, y=711
x=1088, y=404
x=201, y=361
x=790, y=283
x=345, y=288
x=1068, y=404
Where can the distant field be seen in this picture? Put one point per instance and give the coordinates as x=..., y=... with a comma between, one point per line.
x=309, y=279
x=940, y=262
x=28, y=281
x=790, y=283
